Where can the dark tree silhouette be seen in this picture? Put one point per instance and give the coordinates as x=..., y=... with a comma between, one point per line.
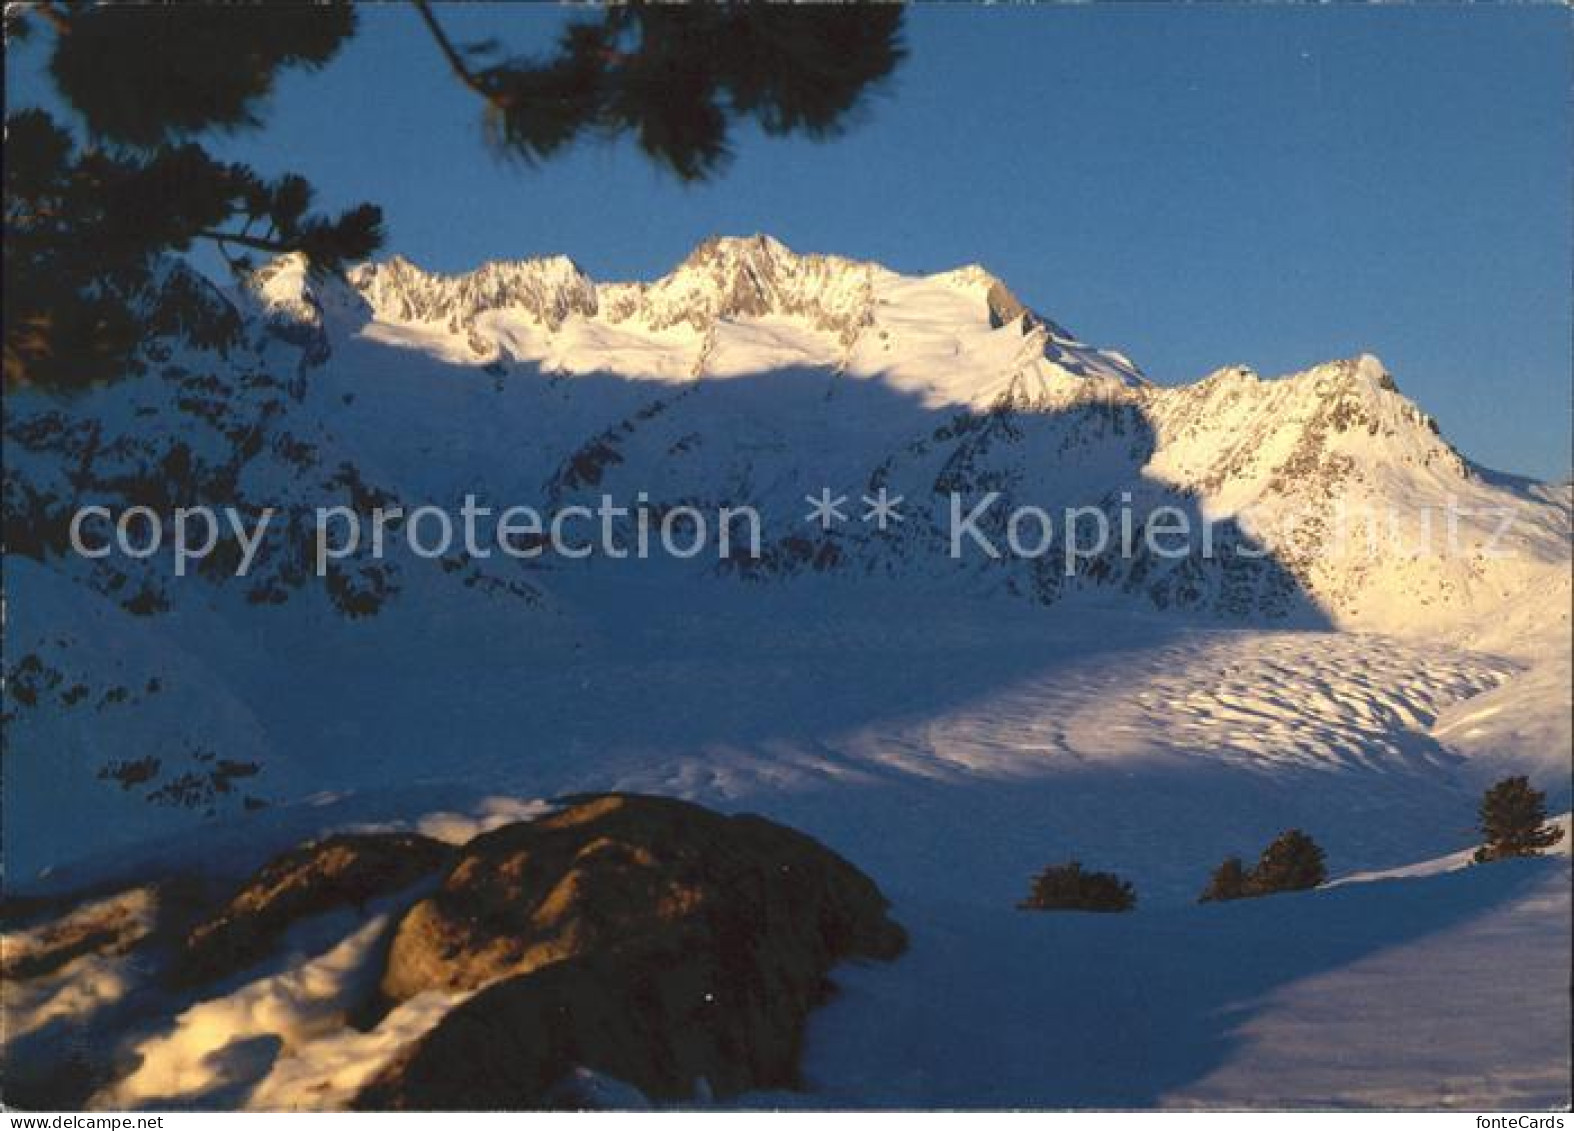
x=89, y=210
x=1066, y=887
x=1230, y=880
x=1293, y=862
x=1513, y=820
x=84, y=228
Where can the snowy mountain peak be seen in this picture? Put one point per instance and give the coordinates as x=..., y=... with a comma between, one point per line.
x=284, y=288
x=1360, y=393
x=1303, y=432
x=858, y=313
x=758, y=251
x=548, y=289
x=757, y=277
x=1370, y=367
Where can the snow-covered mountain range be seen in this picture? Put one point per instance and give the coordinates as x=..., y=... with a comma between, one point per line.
x=754, y=375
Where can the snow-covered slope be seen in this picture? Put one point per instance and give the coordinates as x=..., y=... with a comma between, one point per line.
x=1430, y=991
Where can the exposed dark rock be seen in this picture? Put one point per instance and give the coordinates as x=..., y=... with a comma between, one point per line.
x=345, y=870
x=648, y=939
x=103, y=926
x=57, y=1060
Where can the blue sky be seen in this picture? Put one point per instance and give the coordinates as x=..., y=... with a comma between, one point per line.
x=1196, y=186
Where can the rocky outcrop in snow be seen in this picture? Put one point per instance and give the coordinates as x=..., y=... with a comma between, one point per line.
x=622, y=938
x=345, y=871
x=643, y=938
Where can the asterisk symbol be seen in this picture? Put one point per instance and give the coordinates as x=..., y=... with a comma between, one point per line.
x=825, y=509
x=882, y=508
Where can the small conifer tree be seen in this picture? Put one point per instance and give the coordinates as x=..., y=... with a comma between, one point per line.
x=1293, y=862
x=1513, y=820
x=1230, y=880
